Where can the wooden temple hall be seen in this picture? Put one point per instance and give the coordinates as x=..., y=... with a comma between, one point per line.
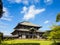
x=27, y=30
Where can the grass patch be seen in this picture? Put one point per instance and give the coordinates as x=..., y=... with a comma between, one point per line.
x=22, y=44
x=27, y=42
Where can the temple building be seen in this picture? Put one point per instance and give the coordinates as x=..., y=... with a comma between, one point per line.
x=27, y=30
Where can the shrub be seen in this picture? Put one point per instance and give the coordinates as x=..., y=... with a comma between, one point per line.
x=58, y=43
x=1, y=37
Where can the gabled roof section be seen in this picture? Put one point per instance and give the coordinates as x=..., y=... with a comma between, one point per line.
x=29, y=24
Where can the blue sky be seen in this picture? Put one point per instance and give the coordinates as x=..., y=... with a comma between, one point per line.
x=40, y=12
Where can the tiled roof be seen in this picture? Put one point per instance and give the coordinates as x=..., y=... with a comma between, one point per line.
x=26, y=30
x=28, y=24
x=22, y=29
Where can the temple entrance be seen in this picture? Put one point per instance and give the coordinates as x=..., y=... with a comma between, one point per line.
x=33, y=36
x=30, y=36
x=27, y=36
x=20, y=36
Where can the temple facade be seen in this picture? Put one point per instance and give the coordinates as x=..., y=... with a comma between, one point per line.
x=27, y=30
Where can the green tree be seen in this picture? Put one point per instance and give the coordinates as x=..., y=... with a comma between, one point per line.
x=58, y=17
x=1, y=8
x=55, y=31
x=1, y=37
x=46, y=34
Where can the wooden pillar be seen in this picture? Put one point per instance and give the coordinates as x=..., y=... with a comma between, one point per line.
x=32, y=36
x=28, y=36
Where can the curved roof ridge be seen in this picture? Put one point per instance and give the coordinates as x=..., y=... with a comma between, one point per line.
x=28, y=23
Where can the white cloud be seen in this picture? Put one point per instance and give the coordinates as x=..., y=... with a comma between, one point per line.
x=6, y=19
x=48, y=2
x=24, y=10
x=31, y=12
x=15, y=1
x=3, y=25
x=5, y=12
x=6, y=15
x=18, y=1
x=25, y=2
x=47, y=21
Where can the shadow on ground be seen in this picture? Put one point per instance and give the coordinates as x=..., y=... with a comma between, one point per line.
x=22, y=44
x=58, y=43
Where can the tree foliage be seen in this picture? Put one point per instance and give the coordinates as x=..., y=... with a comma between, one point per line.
x=1, y=37
x=1, y=8
x=55, y=32
x=58, y=17
x=46, y=34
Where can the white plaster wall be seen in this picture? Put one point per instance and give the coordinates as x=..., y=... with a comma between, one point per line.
x=23, y=36
x=38, y=36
